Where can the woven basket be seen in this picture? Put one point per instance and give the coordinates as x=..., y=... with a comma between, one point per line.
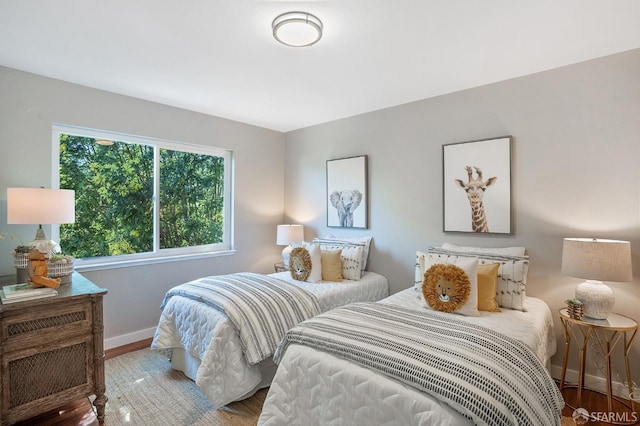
x=575, y=311
x=55, y=269
x=59, y=269
x=20, y=260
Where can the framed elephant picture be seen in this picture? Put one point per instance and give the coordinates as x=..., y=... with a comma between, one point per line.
x=347, y=192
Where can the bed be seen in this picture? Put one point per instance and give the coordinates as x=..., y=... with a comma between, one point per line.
x=398, y=362
x=204, y=343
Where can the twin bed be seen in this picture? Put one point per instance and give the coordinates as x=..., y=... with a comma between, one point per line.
x=368, y=358
x=205, y=344
x=317, y=387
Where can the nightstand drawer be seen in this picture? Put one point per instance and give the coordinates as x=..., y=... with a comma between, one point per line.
x=37, y=378
x=44, y=324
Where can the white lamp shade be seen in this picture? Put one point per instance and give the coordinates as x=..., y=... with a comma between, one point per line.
x=288, y=234
x=39, y=206
x=596, y=261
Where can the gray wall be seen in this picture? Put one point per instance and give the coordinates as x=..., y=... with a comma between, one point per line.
x=575, y=172
x=30, y=104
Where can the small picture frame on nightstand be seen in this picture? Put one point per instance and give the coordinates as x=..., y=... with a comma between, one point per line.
x=279, y=267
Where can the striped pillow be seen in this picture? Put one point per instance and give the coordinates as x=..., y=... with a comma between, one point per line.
x=512, y=274
x=353, y=257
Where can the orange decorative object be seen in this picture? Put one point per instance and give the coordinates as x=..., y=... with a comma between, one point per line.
x=38, y=271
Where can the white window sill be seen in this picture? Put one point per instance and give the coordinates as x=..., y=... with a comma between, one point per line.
x=88, y=265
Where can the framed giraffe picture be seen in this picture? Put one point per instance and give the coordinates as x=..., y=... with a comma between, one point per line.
x=477, y=186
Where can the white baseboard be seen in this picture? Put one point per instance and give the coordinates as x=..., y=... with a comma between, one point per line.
x=125, y=339
x=592, y=382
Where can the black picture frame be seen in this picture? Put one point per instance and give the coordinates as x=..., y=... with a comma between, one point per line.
x=348, y=192
x=476, y=182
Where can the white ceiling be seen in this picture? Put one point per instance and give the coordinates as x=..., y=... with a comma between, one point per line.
x=218, y=56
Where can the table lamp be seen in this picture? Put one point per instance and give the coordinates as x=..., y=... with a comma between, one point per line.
x=288, y=234
x=37, y=206
x=596, y=260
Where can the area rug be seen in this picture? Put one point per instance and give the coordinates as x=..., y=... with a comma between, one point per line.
x=144, y=390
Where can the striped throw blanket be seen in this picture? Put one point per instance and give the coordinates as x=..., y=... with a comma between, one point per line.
x=261, y=308
x=488, y=377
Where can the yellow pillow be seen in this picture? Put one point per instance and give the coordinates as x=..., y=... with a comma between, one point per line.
x=331, y=265
x=487, y=282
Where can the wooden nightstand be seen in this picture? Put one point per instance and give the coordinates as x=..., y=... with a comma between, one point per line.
x=52, y=351
x=608, y=333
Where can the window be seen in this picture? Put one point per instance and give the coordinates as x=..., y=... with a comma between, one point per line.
x=141, y=198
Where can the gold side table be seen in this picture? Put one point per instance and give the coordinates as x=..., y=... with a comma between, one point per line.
x=608, y=333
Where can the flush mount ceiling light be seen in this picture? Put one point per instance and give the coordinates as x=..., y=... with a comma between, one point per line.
x=297, y=29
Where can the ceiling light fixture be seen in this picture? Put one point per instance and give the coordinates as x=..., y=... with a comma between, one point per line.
x=297, y=29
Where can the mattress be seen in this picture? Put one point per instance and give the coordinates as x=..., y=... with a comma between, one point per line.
x=315, y=388
x=207, y=348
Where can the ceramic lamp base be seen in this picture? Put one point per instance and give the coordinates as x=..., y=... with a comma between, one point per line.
x=597, y=298
x=286, y=252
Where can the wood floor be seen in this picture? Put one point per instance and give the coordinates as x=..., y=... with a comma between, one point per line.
x=80, y=413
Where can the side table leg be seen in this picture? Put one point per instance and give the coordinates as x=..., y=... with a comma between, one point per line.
x=583, y=357
x=608, y=373
x=100, y=402
x=98, y=359
x=627, y=347
x=565, y=359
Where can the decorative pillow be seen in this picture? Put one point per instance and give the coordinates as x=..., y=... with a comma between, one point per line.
x=505, y=251
x=512, y=274
x=303, y=269
x=351, y=257
x=331, y=265
x=336, y=242
x=452, y=287
x=300, y=264
x=419, y=270
x=487, y=282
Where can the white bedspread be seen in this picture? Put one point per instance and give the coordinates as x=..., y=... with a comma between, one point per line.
x=208, y=335
x=534, y=327
x=316, y=388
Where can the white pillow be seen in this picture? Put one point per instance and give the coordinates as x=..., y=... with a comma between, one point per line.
x=366, y=245
x=316, y=260
x=504, y=251
x=352, y=256
x=419, y=270
x=470, y=268
x=351, y=262
x=512, y=275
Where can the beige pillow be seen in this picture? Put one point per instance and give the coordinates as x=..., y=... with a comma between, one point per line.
x=487, y=282
x=331, y=265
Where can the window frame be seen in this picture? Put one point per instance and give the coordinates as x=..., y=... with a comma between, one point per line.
x=158, y=255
